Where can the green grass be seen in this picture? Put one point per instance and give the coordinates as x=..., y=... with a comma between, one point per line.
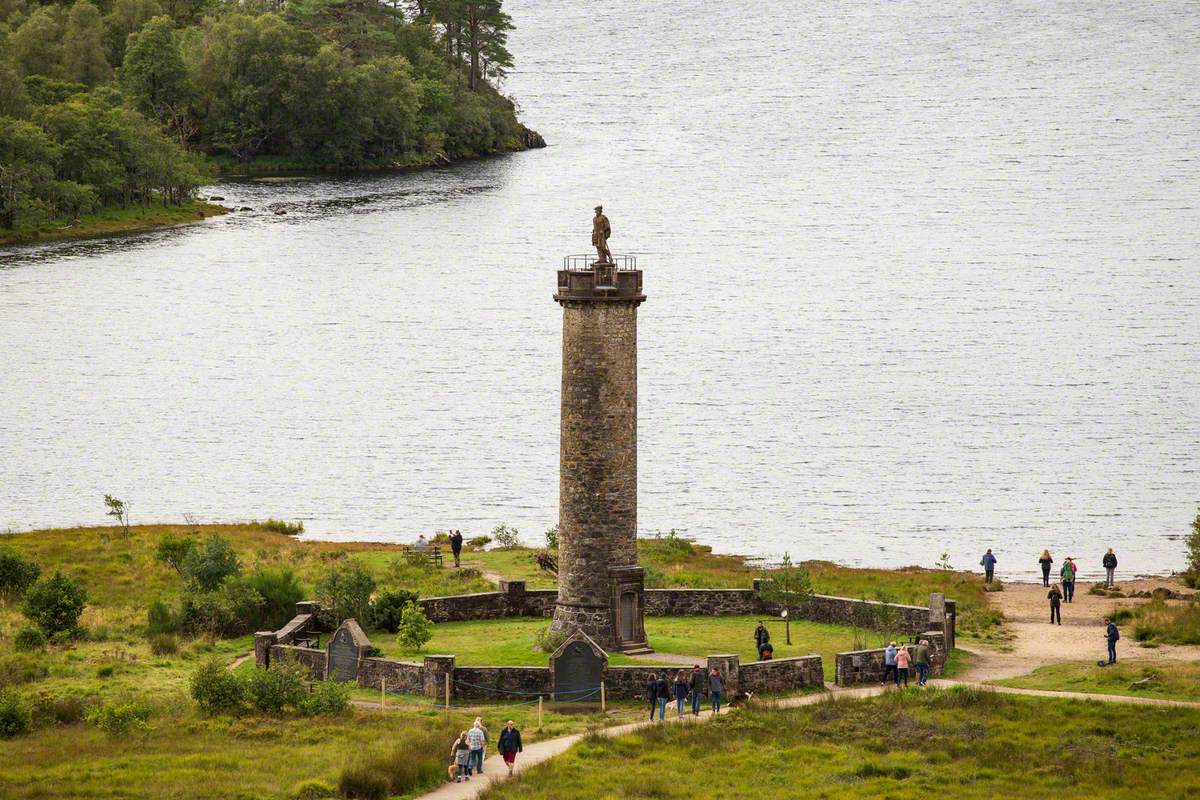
x=959, y=743
x=109, y=221
x=1169, y=680
x=1160, y=623
x=510, y=642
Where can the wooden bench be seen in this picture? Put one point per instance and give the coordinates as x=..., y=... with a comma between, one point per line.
x=430, y=554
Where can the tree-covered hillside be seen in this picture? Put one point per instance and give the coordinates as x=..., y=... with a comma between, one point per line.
x=113, y=103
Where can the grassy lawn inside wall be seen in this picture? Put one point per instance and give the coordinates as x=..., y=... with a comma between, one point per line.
x=911, y=745
x=1166, y=680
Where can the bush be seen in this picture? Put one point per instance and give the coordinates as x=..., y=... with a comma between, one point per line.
x=117, y=719
x=16, y=574
x=280, y=591
x=29, y=638
x=55, y=603
x=58, y=710
x=549, y=640
x=345, y=590
x=217, y=690
x=327, y=697
x=478, y=542
x=1192, y=542
x=506, y=538
x=552, y=538
x=232, y=610
x=415, y=628
x=278, y=688
x=209, y=564
x=174, y=550
x=160, y=619
x=280, y=526
x=388, y=606
x=312, y=790
x=106, y=670
x=15, y=717
x=163, y=644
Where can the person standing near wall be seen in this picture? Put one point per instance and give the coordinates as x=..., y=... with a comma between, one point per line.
x=715, y=687
x=663, y=691
x=889, y=663
x=680, y=687
x=1067, y=575
x=988, y=562
x=1055, y=597
x=696, y=687
x=1110, y=567
x=903, y=659
x=921, y=658
x=509, y=745
x=762, y=638
x=652, y=693
x=1045, y=561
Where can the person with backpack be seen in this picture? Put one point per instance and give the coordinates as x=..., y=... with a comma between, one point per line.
x=889, y=663
x=1067, y=575
x=679, y=687
x=988, y=562
x=662, y=691
x=1055, y=596
x=1110, y=567
x=461, y=752
x=1045, y=561
x=1111, y=635
x=509, y=744
x=696, y=687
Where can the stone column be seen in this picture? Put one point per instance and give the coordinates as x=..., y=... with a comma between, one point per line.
x=436, y=670
x=514, y=597
x=263, y=641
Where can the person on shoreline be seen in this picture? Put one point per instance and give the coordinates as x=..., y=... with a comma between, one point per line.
x=1045, y=561
x=680, y=687
x=662, y=689
x=461, y=752
x=762, y=637
x=1067, y=575
x=652, y=693
x=1111, y=635
x=1055, y=596
x=903, y=659
x=921, y=659
x=715, y=687
x=889, y=663
x=1110, y=567
x=696, y=687
x=509, y=745
x=456, y=540
x=988, y=562
x=476, y=738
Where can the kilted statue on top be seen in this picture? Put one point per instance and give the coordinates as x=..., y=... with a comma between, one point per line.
x=601, y=230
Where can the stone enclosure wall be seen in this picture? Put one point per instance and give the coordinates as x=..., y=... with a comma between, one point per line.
x=866, y=666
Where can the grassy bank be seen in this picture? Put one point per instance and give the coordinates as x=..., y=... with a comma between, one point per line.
x=111, y=221
x=1165, y=680
x=911, y=745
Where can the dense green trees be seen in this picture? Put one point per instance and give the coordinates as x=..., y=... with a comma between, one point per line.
x=104, y=102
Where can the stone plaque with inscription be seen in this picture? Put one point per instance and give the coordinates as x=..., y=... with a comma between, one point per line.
x=345, y=650
x=578, y=667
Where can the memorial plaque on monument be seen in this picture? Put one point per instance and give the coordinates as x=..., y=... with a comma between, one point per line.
x=578, y=668
x=346, y=648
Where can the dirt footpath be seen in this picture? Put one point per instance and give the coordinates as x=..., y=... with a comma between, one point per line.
x=1080, y=637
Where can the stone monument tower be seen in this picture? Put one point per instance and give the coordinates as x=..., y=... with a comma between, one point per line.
x=599, y=582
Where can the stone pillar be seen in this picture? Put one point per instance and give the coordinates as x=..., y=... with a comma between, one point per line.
x=951, y=620
x=514, y=597
x=728, y=665
x=263, y=642
x=597, y=505
x=436, y=670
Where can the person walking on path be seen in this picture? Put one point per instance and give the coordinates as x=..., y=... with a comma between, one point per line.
x=456, y=541
x=921, y=659
x=509, y=744
x=1110, y=566
x=1045, y=561
x=762, y=637
x=988, y=562
x=1111, y=634
x=715, y=687
x=680, y=688
x=1055, y=596
x=461, y=752
x=696, y=687
x=889, y=663
x=1067, y=575
x=903, y=659
x=663, y=691
x=476, y=738
x=652, y=693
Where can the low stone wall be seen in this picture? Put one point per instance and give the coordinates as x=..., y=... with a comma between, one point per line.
x=512, y=601
x=866, y=666
x=701, y=602
x=307, y=657
x=405, y=677
x=501, y=683
x=861, y=613
x=629, y=683
x=781, y=675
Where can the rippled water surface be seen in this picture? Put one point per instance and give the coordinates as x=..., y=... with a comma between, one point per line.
x=922, y=276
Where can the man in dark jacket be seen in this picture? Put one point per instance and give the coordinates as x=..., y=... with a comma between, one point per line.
x=1110, y=566
x=761, y=637
x=988, y=562
x=1111, y=634
x=652, y=693
x=662, y=690
x=696, y=688
x=510, y=744
x=456, y=541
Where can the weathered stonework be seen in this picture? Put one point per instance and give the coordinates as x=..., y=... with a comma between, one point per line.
x=515, y=601
x=781, y=675
x=405, y=677
x=866, y=666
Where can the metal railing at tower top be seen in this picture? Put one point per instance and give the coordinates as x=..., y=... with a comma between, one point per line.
x=587, y=263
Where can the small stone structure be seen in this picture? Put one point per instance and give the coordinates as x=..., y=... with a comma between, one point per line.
x=577, y=669
x=866, y=666
x=347, y=648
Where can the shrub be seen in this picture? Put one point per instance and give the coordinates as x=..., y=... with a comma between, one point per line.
x=216, y=690
x=280, y=526
x=55, y=603
x=312, y=790
x=106, y=670
x=160, y=619
x=478, y=542
x=29, y=638
x=1192, y=542
x=275, y=689
x=232, y=610
x=549, y=640
x=209, y=564
x=327, y=697
x=415, y=628
x=174, y=550
x=15, y=717
x=506, y=538
x=280, y=591
x=117, y=719
x=345, y=589
x=16, y=574
x=388, y=606
x=58, y=710
x=163, y=644
x=552, y=538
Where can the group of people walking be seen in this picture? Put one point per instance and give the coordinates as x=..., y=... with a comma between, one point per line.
x=897, y=661
x=660, y=690
x=468, y=749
